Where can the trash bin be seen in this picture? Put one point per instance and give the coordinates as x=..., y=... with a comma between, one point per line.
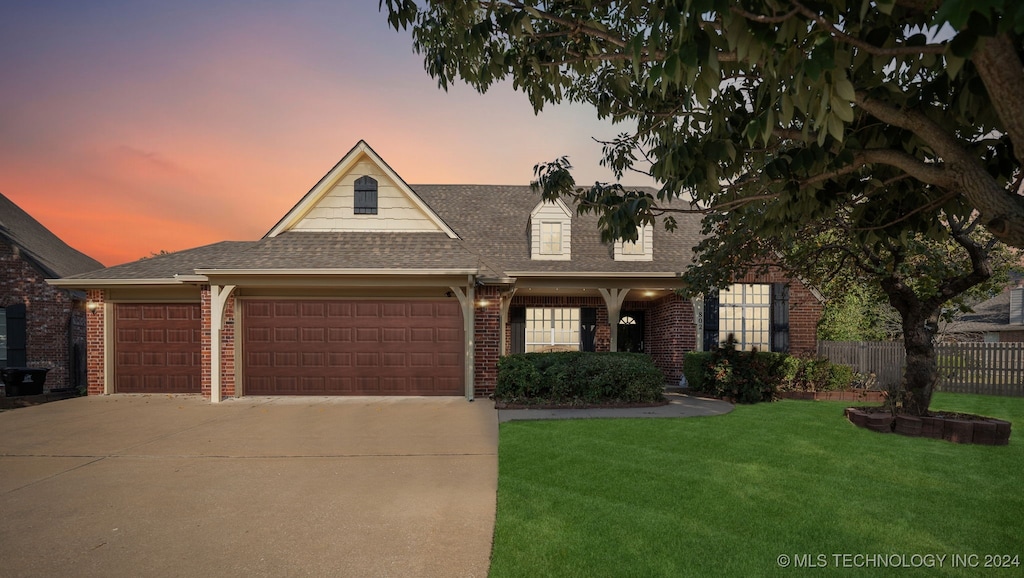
x=23, y=380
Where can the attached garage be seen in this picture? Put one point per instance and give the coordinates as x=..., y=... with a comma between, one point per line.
x=352, y=347
x=157, y=348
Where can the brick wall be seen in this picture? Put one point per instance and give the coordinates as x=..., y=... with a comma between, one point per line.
x=485, y=341
x=54, y=319
x=96, y=346
x=669, y=333
x=227, y=346
x=804, y=310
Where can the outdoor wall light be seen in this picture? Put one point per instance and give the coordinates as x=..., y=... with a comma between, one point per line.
x=92, y=306
x=483, y=303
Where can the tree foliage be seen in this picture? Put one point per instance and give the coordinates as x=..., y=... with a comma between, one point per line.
x=911, y=107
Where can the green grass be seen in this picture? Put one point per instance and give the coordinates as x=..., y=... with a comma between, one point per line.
x=728, y=495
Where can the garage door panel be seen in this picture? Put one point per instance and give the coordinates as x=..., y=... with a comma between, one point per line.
x=353, y=348
x=157, y=348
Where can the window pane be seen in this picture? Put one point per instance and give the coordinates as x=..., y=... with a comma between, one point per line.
x=550, y=238
x=552, y=328
x=744, y=311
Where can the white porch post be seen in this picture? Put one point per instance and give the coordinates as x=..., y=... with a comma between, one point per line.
x=467, y=296
x=218, y=299
x=613, y=299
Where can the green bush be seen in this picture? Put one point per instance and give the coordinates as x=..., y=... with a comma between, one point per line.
x=815, y=374
x=694, y=369
x=576, y=378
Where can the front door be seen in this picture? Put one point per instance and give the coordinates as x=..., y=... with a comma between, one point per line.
x=631, y=331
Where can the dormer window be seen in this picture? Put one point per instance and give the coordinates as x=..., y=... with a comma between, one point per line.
x=551, y=232
x=366, y=196
x=640, y=250
x=550, y=238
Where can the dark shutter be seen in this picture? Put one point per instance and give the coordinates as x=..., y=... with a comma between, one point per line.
x=588, y=328
x=517, y=322
x=17, y=355
x=711, y=340
x=365, y=196
x=780, y=317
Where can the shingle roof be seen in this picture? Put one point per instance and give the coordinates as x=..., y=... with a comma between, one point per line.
x=990, y=315
x=166, y=266
x=491, y=221
x=352, y=250
x=494, y=222
x=46, y=251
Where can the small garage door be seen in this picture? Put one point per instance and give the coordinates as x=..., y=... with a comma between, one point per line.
x=352, y=348
x=157, y=348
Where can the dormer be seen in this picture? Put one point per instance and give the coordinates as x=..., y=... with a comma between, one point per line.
x=641, y=250
x=551, y=232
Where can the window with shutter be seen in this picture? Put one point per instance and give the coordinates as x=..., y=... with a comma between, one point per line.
x=365, y=196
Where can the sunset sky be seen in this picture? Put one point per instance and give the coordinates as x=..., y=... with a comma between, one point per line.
x=134, y=126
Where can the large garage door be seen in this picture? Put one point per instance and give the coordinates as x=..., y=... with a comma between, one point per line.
x=157, y=348
x=352, y=348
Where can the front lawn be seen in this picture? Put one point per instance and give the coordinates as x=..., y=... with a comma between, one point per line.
x=730, y=495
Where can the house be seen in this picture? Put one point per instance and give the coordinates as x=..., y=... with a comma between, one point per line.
x=999, y=319
x=370, y=286
x=40, y=325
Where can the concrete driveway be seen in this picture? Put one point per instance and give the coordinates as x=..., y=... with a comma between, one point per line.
x=175, y=486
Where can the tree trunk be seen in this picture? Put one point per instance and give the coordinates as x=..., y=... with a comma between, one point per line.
x=922, y=372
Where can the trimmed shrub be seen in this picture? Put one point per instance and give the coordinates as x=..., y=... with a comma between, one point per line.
x=750, y=377
x=695, y=368
x=578, y=378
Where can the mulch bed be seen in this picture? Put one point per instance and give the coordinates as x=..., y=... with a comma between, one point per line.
x=958, y=428
x=546, y=404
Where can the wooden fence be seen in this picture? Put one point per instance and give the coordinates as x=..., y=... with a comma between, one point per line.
x=987, y=368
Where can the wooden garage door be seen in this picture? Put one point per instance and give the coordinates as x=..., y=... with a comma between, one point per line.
x=157, y=348
x=352, y=348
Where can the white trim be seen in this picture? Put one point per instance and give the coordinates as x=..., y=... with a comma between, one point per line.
x=322, y=272
x=596, y=274
x=342, y=168
x=98, y=283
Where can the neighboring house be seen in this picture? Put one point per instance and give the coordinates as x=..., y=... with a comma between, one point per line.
x=996, y=320
x=40, y=325
x=370, y=286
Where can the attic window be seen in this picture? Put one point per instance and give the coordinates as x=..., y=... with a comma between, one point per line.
x=640, y=250
x=366, y=196
x=550, y=238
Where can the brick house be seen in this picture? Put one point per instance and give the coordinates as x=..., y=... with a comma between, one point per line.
x=996, y=320
x=370, y=286
x=40, y=325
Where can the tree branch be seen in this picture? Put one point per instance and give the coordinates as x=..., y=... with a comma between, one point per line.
x=1002, y=72
x=866, y=46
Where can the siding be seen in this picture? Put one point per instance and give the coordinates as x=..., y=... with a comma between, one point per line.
x=550, y=213
x=395, y=211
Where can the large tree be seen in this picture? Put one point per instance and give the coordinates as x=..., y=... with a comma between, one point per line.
x=884, y=130
x=929, y=91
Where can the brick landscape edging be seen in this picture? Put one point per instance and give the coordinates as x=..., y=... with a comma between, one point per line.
x=958, y=430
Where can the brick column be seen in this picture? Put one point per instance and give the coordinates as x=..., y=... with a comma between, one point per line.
x=485, y=336
x=95, y=344
x=205, y=338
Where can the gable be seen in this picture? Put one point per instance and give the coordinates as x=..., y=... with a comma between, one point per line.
x=331, y=205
